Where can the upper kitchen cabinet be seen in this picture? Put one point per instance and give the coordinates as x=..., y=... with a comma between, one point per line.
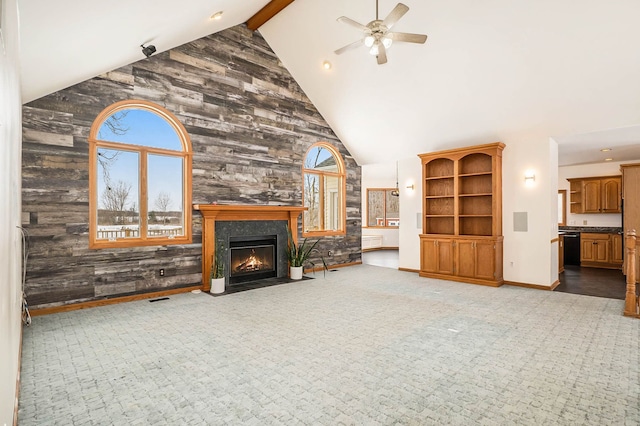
x=600, y=194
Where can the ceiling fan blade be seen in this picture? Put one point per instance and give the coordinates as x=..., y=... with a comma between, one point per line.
x=382, y=54
x=349, y=47
x=353, y=23
x=397, y=13
x=407, y=37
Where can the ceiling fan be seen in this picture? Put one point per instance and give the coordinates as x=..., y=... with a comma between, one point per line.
x=377, y=33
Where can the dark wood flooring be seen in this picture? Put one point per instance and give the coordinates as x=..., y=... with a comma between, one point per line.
x=609, y=283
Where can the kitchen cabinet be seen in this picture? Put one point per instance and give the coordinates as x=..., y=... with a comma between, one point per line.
x=600, y=250
x=462, y=214
x=601, y=194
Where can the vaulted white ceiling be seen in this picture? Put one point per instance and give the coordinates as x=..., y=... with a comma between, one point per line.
x=489, y=71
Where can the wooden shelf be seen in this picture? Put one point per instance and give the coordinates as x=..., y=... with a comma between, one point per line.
x=439, y=177
x=475, y=174
x=462, y=223
x=484, y=194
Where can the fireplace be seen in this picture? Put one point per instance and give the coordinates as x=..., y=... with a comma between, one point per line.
x=252, y=258
x=222, y=222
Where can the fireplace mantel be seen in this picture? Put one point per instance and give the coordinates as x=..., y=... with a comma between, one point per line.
x=213, y=212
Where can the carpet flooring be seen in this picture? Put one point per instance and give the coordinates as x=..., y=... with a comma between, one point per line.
x=364, y=345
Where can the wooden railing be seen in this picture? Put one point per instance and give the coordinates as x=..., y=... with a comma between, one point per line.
x=631, y=298
x=133, y=233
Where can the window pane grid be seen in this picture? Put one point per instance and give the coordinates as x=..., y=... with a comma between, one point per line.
x=139, y=180
x=323, y=191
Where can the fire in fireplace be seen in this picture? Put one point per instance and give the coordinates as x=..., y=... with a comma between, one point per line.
x=252, y=258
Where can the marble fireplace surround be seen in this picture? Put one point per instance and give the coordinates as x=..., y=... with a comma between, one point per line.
x=212, y=213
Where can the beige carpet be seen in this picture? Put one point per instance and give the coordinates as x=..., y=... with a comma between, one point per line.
x=366, y=345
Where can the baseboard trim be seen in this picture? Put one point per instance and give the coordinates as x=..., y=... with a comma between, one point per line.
x=417, y=271
x=379, y=248
x=465, y=280
x=330, y=267
x=534, y=286
x=112, y=301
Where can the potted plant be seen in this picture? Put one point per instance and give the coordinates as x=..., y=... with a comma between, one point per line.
x=298, y=255
x=217, y=270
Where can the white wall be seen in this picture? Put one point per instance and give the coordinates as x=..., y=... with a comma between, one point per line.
x=553, y=212
x=528, y=255
x=379, y=176
x=587, y=170
x=10, y=184
x=410, y=213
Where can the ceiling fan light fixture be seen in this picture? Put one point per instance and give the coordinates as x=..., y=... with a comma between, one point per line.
x=368, y=40
x=377, y=36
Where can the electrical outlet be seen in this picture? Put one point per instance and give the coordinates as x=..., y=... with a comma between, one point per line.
x=161, y=272
x=329, y=253
x=584, y=222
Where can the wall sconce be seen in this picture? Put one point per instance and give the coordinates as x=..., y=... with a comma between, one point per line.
x=529, y=178
x=411, y=187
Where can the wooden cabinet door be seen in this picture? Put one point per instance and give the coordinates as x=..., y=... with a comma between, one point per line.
x=591, y=197
x=429, y=255
x=611, y=195
x=587, y=248
x=595, y=248
x=466, y=258
x=445, y=256
x=476, y=259
x=437, y=256
x=617, y=251
x=485, y=260
x=601, y=251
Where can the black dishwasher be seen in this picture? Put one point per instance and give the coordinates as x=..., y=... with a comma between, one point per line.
x=572, y=248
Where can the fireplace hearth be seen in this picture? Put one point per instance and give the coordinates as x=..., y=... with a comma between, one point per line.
x=252, y=258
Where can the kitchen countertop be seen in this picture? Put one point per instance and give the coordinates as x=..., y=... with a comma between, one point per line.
x=593, y=229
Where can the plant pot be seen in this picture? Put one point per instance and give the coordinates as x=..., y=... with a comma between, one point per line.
x=295, y=272
x=217, y=285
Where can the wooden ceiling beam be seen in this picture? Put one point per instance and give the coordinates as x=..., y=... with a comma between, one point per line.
x=269, y=11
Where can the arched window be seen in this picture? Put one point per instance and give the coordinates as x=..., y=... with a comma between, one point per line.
x=139, y=177
x=323, y=191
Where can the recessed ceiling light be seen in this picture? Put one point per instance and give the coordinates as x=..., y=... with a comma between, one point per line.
x=326, y=65
x=608, y=159
x=217, y=16
x=605, y=149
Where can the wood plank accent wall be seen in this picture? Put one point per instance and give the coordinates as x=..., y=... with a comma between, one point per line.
x=250, y=125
